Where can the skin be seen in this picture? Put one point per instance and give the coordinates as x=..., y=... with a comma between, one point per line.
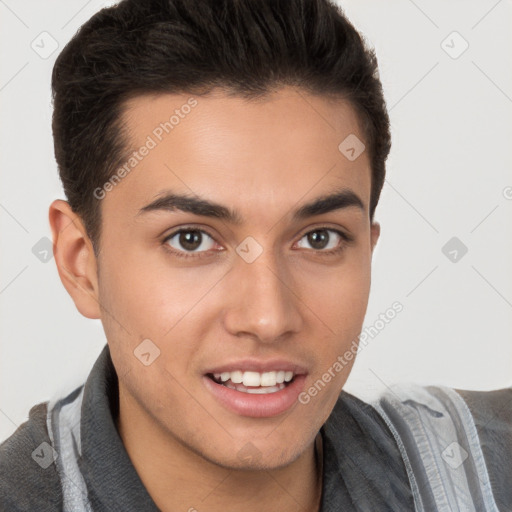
x=264, y=158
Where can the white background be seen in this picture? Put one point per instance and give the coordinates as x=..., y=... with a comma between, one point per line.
x=448, y=174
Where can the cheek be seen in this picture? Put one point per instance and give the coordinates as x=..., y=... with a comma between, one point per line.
x=146, y=299
x=142, y=303
x=340, y=297
x=150, y=295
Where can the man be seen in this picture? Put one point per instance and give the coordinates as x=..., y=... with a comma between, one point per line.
x=222, y=162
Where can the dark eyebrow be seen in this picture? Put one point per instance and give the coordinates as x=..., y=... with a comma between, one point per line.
x=342, y=199
x=170, y=201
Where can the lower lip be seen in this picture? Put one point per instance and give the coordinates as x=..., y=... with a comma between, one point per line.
x=257, y=406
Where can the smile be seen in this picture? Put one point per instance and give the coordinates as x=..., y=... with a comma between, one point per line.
x=255, y=394
x=254, y=382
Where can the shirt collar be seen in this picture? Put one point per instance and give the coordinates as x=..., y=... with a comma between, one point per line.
x=112, y=481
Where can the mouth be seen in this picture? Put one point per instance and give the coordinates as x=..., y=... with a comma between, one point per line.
x=256, y=394
x=255, y=383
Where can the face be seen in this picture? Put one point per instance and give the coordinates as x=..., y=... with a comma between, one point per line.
x=254, y=287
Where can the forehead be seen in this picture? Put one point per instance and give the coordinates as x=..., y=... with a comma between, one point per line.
x=262, y=155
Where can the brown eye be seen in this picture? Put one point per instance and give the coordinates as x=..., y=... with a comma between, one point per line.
x=190, y=240
x=326, y=240
x=318, y=239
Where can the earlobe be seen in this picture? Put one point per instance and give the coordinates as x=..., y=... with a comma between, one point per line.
x=75, y=258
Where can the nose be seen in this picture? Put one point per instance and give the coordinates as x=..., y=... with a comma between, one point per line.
x=264, y=304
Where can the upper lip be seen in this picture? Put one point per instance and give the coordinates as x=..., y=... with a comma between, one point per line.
x=260, y=366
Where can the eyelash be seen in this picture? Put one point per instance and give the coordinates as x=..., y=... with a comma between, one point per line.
x=347, y=239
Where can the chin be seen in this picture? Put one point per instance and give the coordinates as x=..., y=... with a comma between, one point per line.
x=257, y=456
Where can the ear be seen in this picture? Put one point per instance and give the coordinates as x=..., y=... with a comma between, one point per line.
x=75, y=258
x=374, y=234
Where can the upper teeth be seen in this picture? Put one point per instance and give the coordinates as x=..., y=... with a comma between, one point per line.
x=255, y=378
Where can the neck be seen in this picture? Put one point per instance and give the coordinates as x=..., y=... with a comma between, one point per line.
x=177, y=478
